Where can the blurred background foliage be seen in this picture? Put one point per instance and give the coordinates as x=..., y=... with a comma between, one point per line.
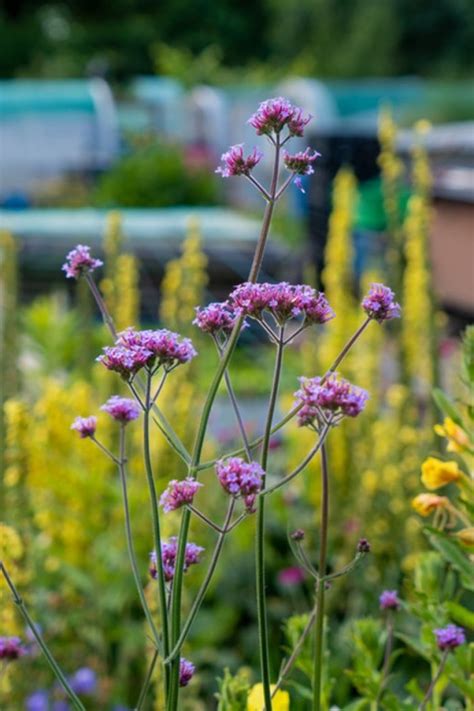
x=217, y=42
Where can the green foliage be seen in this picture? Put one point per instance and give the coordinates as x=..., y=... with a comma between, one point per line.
x=233, y=691
x=156, y=175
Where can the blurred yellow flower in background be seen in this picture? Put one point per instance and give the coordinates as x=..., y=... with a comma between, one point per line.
x=255, y=702
x=435, y=473
x=424, y=504
x=458, y=440
x=466, y=536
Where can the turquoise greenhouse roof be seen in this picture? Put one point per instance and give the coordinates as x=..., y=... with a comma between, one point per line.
x=22, y=96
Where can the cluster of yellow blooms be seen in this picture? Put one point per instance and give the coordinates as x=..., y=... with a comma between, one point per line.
x=437, y=473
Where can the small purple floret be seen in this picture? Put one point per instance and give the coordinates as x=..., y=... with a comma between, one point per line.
x=363, y=546
x=85, y=426
x=284, y=301
x=301, y=162
x=38, y=701
x=235, y=163
x=186, y=671
x=215, y=318
x=79, y=261
x=449, y=637
x=240, y=479
x=389, y=600
x=335, y=395
x=274, y=114
x=169, y=551
x=179, y=493
x=380, y=303
x=84, y=681
x=11, y=648
x=121, y=409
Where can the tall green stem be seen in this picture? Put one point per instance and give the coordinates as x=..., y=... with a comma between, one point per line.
x=76, y=702
x=193, y=467
x=434, y=681
x=319, y=625
x=156, y=523
x=260, y=536
x=129, y=537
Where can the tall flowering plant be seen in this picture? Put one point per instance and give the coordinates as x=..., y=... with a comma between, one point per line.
x=144, y=360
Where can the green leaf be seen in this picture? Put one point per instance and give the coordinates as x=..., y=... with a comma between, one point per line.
x=451, y=551
x=446, y=406
x=414, y=644
x=460, y=614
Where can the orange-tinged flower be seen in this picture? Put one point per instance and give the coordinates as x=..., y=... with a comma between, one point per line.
x=435, y=473
x=466, y=536
x=425, y=504
x=458, y=441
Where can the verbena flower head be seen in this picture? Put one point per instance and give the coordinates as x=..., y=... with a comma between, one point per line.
x=380, y=303
x=169, y=551
x=274, y=114
x=389, y=600
x=85, y=426
x=301, y=162
x=84, y=681
x=363, y=546
x=186, y=671
x=283, y=300
x=240, y=479
x=449, y=637
x=436, y=473
x=134, y=350
x=121, y=409
x=235, y=163
x=79, y=261
x=335, y=396
x=215, y=318
x=179, y=493
x=11, y=648
x=125, y=361
x=297, y=535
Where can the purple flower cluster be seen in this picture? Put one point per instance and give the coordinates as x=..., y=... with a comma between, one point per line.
x=134, y=350
x=11, y=648
x=179, y=493
x=449, y=637
x=235, y=163
x=389, y=600
x=121, y=409
x=79, y=261
x=85, y=426
x=283, y=300
x=335, y=395
x=380, y=303
x=240, y=479
x=274, y=114
x=301, y=162
x=169, y=551
x=215, y=318
x=186, y=671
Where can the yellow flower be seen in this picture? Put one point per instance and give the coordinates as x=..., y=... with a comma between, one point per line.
x=458, y=440
x=255, y=702
x=436, y=473
x=424, y=504
x=466, y=536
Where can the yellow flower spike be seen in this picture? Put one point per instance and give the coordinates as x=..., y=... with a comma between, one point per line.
x=425, y=504
x=458, y=440
x=255, y=701
x=466, y=536
x=435, y=473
